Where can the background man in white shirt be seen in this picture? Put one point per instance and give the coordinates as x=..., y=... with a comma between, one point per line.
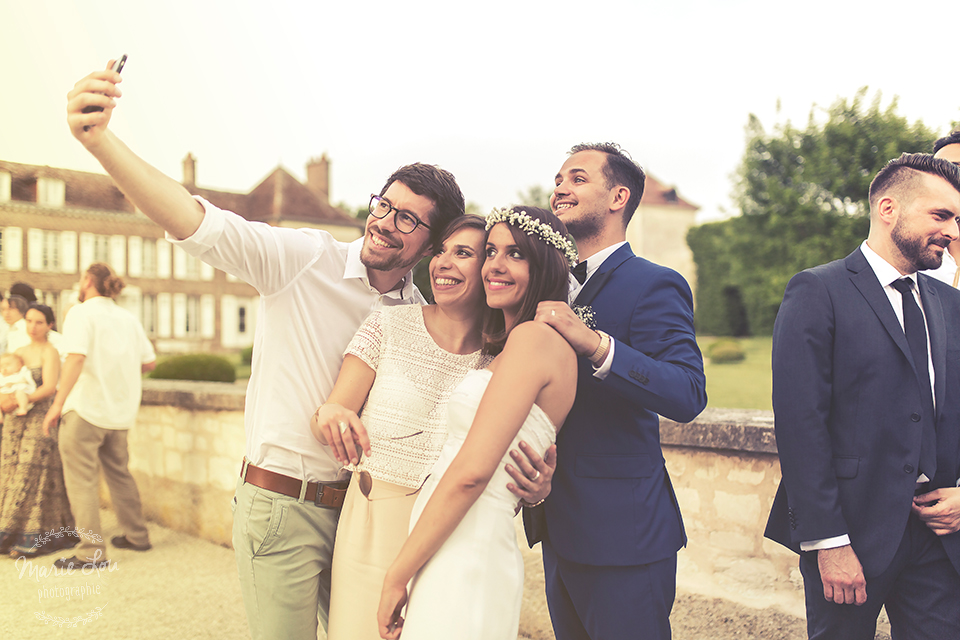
x=98, y=397
x=314, y=293
x=15, y=307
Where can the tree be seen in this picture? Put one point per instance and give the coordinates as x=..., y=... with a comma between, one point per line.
x=802, y=195
x=535, y=196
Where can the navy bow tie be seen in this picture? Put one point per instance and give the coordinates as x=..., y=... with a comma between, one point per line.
x=580, y=272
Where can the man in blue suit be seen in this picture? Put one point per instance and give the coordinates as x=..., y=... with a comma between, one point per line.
x=611, y=527
x=866, y=397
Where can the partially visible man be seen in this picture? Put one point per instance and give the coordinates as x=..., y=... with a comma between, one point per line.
x=4, y=327
x=867, y=416
x=13, y=315
x=98, y=398
x=948, y=148
x=611, y=528
x=314, y=293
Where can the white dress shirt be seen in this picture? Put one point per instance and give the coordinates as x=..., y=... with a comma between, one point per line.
x=17, y=336
x=593, y=263
x=314, y=294
x=108, y=391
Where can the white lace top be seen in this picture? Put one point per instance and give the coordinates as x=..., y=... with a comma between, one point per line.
x=414, y=381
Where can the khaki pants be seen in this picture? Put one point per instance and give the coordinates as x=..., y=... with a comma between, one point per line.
x=284, y=549
x=85, y=448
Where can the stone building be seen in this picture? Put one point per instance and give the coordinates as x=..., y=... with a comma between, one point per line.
x=658, y=229
x=56, y=222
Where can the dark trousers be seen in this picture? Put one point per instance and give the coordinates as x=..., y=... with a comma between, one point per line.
x=920, y=590
x=609, y=603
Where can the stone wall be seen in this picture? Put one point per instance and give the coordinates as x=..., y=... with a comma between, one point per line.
x=186, y=449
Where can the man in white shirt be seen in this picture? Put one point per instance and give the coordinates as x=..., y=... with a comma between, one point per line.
x=98, y=398
x=314, y=293
x=948, y=148
x=14, y=310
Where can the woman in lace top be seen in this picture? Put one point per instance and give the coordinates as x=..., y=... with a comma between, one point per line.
x=401, y=368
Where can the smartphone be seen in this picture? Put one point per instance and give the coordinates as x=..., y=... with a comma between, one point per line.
x=118, y=67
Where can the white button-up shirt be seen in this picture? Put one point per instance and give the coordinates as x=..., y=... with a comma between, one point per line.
x=108, y=391
x=314, y=294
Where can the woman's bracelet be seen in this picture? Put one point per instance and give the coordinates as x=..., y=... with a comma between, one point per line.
x=530, y=506
x=601, y=352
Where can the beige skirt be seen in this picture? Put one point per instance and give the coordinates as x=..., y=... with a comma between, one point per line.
x=369, y=537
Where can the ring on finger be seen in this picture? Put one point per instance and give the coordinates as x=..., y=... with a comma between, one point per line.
x=553, y=312
x=343, y=426
x=536, y=476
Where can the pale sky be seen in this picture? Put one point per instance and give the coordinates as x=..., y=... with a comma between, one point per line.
x=496, y=91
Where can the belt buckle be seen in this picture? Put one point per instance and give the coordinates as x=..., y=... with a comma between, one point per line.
x=317, y=498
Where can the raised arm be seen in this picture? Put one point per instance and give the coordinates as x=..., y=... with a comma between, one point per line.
x=536, y=366
x=159, y=197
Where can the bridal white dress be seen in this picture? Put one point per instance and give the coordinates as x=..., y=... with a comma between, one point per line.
x=472, y=588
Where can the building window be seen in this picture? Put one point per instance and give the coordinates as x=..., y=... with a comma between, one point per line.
x=242, y=313
x=50, y=191
x=51, y=251
x=101, y=248
x=149, y=254
x=193, y=315
x=148, y=314
x=2, y=263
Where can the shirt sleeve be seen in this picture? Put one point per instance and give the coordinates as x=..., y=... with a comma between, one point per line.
x=368, y=341
x=266, y=257
x=76, y=332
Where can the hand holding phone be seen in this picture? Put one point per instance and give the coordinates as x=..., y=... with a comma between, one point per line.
x=118, y=67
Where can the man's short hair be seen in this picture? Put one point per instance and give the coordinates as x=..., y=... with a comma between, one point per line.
x=619, y=170
x=900, y=172
x=439, y=185
x=24, y=290
x=952, y=138
x=18, y=302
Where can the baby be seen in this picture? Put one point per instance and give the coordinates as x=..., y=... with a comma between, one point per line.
x=17, y=381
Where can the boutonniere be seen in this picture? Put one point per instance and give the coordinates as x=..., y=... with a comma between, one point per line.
x=585, y=313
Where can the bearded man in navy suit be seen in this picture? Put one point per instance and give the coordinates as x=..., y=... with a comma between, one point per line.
x=866, y=398
x=611, y=527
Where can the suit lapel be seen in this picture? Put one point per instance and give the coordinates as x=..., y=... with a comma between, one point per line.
x=866, y=281
x=937, y=331
x=597, y=280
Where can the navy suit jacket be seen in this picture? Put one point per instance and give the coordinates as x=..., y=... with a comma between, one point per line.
x=848, y=409
x=612, y=502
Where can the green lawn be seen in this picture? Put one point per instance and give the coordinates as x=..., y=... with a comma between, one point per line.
x=740, y=385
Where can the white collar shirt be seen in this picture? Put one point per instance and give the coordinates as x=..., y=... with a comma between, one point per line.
x=17, y=336
x=107, y=393
x=593, y=263
x=314, y=294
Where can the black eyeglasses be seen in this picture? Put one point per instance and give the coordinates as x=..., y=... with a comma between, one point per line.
x=405, y=221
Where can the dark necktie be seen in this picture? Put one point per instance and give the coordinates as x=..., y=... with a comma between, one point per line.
x=916, y=331
x=580, y=272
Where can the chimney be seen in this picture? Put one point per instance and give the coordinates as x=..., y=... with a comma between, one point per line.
x=318, y=177
x=189, y=171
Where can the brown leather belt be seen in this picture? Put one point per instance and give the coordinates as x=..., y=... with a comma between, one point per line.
x=328, y=494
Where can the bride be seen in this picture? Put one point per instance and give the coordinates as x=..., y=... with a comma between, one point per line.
x=461, y=559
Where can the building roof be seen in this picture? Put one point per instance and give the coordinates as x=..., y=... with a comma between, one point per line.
x=656, y=193
x=278, y=197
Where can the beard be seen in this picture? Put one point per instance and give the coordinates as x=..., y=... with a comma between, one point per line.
x=582, y=227
x=918, y=250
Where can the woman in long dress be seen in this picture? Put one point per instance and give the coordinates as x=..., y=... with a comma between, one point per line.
x=461, y=558
x=35, y=515
x=403, y=363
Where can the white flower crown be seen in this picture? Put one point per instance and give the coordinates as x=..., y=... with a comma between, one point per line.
x=523, y=221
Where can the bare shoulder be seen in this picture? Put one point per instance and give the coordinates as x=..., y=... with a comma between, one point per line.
x=540, y=341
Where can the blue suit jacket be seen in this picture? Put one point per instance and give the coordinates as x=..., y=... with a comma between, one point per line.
x=848, y=409
x=612, y=502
